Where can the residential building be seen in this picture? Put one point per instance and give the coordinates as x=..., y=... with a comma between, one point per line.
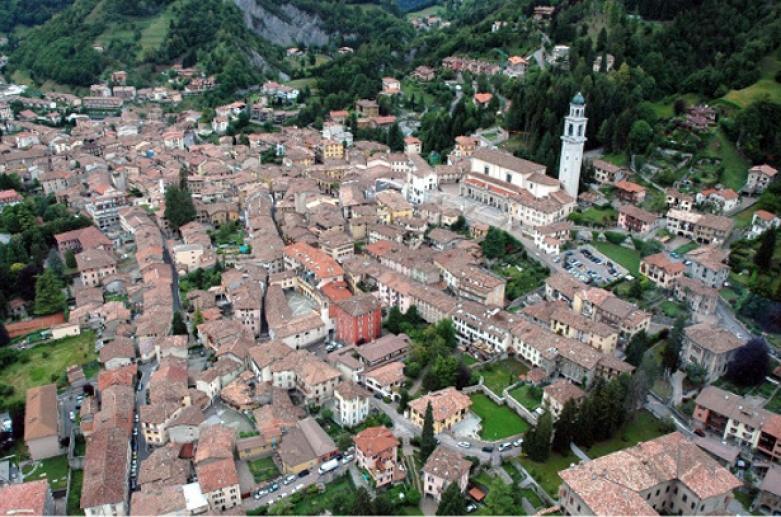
x=443, y=468
x=769, y=498
x=105, y=490
x=449, y=406
x=708, y=264
x=386, y=380
x=350, y=404
x=304, y=446
x=313, y=265
x=667, y=475
x=759, y=177
x=358, y=319
x=42, y=422
x=710, y=347
x=607, y=173
x=702, y=228
x=219, y=482
x=376, y=451
x=630, y=192
x=761, y=221
x=94, y=265
x=555, y=396
x=661, y=270
x=738, y=421
x=634, y=219
x=699, y=297
x=30, y=498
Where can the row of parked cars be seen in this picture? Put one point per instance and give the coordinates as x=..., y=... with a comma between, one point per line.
x=490, y=448
x=284, y=481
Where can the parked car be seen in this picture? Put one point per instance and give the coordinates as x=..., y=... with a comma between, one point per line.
x=471, y=507
x=464, y=445
x=518, y=442
x=347, y=459
x=488, y=448
x=505, y=446
x=304, y=473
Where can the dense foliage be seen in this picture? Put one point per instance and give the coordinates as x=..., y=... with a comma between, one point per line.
x=25, y=12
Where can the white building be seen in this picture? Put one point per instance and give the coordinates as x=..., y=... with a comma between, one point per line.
x=572, y=142
x=351, y=404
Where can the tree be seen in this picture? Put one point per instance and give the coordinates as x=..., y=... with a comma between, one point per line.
x=197, y=317
x=395, y=138
x=750, y=364
x=566, y=428
x=178, y=327
x=403, y=399
x=538, y=439
x=640, y=136
x=393, y=321
x=673, y=348
x=460, y=225
x=49, y=297
x=452, y=501
x=636, y=348
x=764, y=254
x=179, y=208
x=4, y=337
x=495, y=243
x=362, y=503
x=70, y=259
x=500, y=499
x=427, y=441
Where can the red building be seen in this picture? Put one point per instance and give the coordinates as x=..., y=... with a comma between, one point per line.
x=358, y=319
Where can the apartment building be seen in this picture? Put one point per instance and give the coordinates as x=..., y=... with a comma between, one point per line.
x=449, y=406
x=710, y=347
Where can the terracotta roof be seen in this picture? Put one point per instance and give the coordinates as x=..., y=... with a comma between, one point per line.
x=562, y=391
x=105, y=467
x=41, y=413
x=217, y=474
x=714, y=339
x=446, y=464
x=444, y=403
x=25, y=498
x=374, y=440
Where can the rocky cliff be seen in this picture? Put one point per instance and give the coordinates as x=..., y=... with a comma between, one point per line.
x=283, y=24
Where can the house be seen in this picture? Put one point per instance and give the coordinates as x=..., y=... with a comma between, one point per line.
x=390, y=86
x=699, y=297
x=516, y=66
x=424, y=73
x=667, y=475
x=660, y=270
x=677, y=199
x=759, y=177
x=376, y=451
x=9, y=197
x=703, y=228
x=304, y=446
x=738, y=420
x=367, y=108
x=118, y=353
x=106, y=467
x=94, y=265
x=761, y=221
x=483, y=99
x=30, y=498
x=42, y=422
x=317, y=267
x=607, y=173
x=386, y=380
x=634, y=219
x=82, y=239
x=358, y=319
x=350, y=404
x=710, y=347
x=219, y=482
x=555, y=396
x=412, y=145
x=629, y=192
x=443, y=468
x=708, y=264
x=725, y=199
x=769, y=497
x=449, y=406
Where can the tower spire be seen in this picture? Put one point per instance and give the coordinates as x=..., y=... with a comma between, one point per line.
x=572, y=142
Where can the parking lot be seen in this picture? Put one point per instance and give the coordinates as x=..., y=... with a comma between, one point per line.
x=591, y=267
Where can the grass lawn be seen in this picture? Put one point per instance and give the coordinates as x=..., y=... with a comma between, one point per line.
x=743, y=218
x=619, y=159
x=45, y=363
x=598, y=216
x=644, y=426
x=522, y=278
x=671, y=309
x=735, y=165
x=497, y=421
x=531, y=496
x=501, y=374
x=524, y=394
x=766, y=86
x=468, y=359
x=74, y=496
x=628, y=258
x=512, y=471
x=547, y=473
x=263, y=469
x=154, y=33
x=317, y=504
x=302, y=83
x=55, y=470
x=686, y=248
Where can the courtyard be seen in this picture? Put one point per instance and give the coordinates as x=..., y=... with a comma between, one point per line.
x=497, y=422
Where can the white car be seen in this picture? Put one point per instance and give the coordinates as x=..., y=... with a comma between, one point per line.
x=464, y=445
x=347, y=459
x=505, y=446
x=289, y=479
x=518, y=442
x=299, y=486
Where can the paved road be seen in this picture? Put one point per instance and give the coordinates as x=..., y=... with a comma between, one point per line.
x=729, y=321
x=286, y=490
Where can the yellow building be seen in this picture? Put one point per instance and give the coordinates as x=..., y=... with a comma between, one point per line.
x=449, y=406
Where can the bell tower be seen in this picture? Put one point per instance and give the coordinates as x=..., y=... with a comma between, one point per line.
x=572, y=141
